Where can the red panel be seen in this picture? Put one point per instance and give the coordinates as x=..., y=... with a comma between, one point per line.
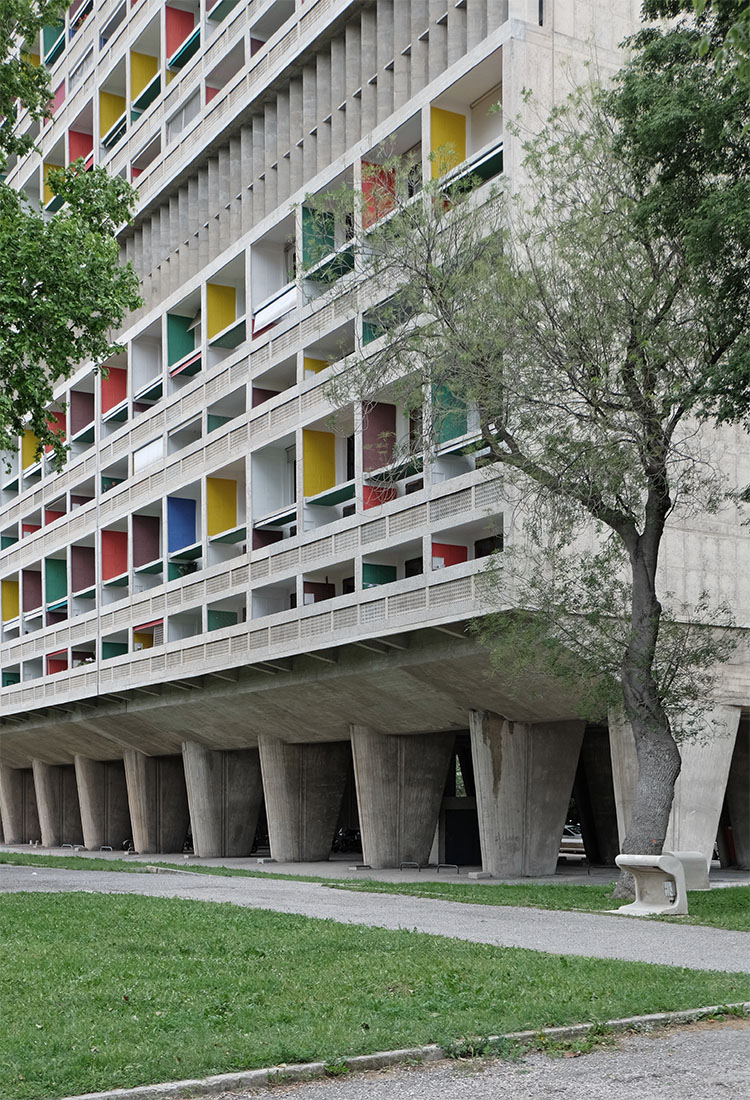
x=56, y=424
x=28, y=529
x=114, y=388
x=50, y=517
x=58, y=98
x=451, y=555
x=373, y=495
x=31, y=586
x=378, y=192
x=378, y=435
x=82, y=568
x=211, y=92
x=114, y=553
x=179, y=25
x=79, y=145
x=261, y=395
x=56, y=664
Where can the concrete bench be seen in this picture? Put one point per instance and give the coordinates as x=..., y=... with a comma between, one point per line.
x=695, y=866
x=659, y=884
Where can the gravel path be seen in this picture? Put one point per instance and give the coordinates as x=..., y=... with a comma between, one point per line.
x=707, y=1062
x=594, y=935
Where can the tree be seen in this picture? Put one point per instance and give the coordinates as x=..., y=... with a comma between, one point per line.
x=587, y=320
x=732, y=20
x=62, y=287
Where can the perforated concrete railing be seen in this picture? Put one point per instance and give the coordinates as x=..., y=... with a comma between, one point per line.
x=230, y=578
x=220, y=382
x=366, y=614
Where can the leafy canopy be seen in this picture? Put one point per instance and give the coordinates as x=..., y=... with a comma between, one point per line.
x=63, y=289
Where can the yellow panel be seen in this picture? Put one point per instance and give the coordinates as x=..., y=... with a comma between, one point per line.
x=10, y=600
x=221, y=505
x=32, y=57
x=143, y=69
x=316, y=365
x=48, y=194
x=111, y=107
x=221, y=308
x=146, y=640
x=171, y=74
x=29, y=448
x=447, y=140
x=319, y=457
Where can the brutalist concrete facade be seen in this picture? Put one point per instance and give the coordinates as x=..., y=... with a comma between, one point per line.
x=228, y=607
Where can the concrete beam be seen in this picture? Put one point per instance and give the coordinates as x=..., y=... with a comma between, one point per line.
x=225, y=794
x=18, y=806
x=57, y=803
x=103, y=799
x=700, y=787
x=157, y=799
x=304, y=787
x=400, y=782
x=524, y=776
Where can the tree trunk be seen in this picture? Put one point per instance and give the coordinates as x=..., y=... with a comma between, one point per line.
x=658, y=756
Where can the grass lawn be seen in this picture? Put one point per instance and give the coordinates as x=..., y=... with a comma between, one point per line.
x=726, y=908
x=104, y=991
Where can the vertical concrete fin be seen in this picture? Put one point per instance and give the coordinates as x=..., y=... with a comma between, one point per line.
x=18, y=805
x=57, y=803
x=158, y=803
x=103, y=800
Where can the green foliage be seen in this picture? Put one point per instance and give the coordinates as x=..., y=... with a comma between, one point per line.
x=91, y=999
x=22, y=84
x=63, y=289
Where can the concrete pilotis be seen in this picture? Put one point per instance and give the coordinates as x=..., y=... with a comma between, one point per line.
x=738, y=796
x=157, y=799
x=304, y=787
x=18, y=806
x=700, y=787
x=225, y=795
x=57, y=804
x=103, y=801
x=524, y=775
x=400, y=782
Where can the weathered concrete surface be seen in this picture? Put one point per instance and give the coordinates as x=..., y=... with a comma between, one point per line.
x=57, y=804
x=18, y=806
x=225, y=794
x=400, y=783
x=157, y=798
x=304, y=788
x=524, y=775
x=103, y=801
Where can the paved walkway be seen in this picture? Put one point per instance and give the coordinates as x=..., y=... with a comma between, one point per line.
x=708, y=1062
x=589, y=934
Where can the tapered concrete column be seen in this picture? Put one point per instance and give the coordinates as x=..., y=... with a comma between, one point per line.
x=400, y=782
x=304, y=787
x=225, y=795
x=57, y=803
x=157, y=800
x=103, y=799
x=700, y=787
x=524, y=775
x=738, y=795
x=18, y=806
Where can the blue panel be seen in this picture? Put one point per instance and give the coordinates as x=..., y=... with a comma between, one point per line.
x=180, y=523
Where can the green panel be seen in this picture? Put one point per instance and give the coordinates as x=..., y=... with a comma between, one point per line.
x=110, y=482
x=374, y=574
x=317, y=235
x=216, y=620
x=213, y=422
x=56, y=579
x=175, y=569
x=371, y=330
x=113, y=649
x=6, y=541
x=180, y=342
x=221, y=9
x=449, y=414
x=11, y=678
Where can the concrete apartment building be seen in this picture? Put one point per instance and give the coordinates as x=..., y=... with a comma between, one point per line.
x=227, y=608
